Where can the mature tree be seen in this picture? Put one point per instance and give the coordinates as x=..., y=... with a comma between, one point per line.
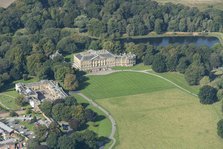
x=95, y=45
x=183, y=65
x=215, y=60
x=159, y=64
x=32, y=25
x=46, y=107
x=20, y=100
x=45, y=72
x=60, y=71
x=34, y=62
x=33, y=143
x=108, y=45
x=220, y=128
x=205, y=80
x=81, y=22
x=41, y=132
x=158, y=26
x=96, y=27
x=90, y=115
x=13, y=114
x=67, y=45
x=79, y=113
x=25, y=77
x=52, y=140
x=194, y=74
x=70, y=101
x=70, y=82
x=56, y=111
x=220, y=94
x=64, y=142
x=90, y=139
x=207, y=95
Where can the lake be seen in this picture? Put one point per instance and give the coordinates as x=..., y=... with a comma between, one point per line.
x=165, y=41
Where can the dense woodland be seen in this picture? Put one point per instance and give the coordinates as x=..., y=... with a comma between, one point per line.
x=32, y=30
x=76, y=115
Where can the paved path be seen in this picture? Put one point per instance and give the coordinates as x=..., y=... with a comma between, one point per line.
x=156, y=75
x=112, y=135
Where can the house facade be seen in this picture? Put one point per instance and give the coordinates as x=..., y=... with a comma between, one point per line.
x=92, y=60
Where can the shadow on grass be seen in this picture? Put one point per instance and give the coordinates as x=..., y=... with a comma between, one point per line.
x=103, y=141
x=82, y=79
x=85, y=105
x=8, y=87
x=99, y=118
x=83, y=127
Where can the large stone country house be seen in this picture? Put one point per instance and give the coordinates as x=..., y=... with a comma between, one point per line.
x=101, y=60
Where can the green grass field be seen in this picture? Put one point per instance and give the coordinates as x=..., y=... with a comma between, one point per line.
x=179, y=79
x=9, y=102
x=164, y=119
x=151, y=113
x=123, y=84
x=140, y=66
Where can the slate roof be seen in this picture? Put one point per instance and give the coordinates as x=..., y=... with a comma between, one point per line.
x=91, y=54
x=5, y=127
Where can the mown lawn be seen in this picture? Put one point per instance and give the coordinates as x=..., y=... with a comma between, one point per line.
x=123, y=84
x=140, y=66
x=152, y=113
x=179, y=79
x=165, y=119
x=9, y=102
x=103, y=126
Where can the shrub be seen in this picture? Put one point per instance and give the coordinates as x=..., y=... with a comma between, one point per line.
x=208, y=95
x=220, y=128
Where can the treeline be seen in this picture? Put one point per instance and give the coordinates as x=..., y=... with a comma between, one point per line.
x=194, y=62
x=76, y=115
x=25, y=53
x=32, y=30
x=108, y=17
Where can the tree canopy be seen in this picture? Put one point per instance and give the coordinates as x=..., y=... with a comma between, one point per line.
x=208, y=95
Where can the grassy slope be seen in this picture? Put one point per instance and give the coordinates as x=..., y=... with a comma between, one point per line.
x=103, y=127
x=9, y=102
x=164, y=119
x=202, y=4
x=179, y=80
x=161, y=116
x=122, y=84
